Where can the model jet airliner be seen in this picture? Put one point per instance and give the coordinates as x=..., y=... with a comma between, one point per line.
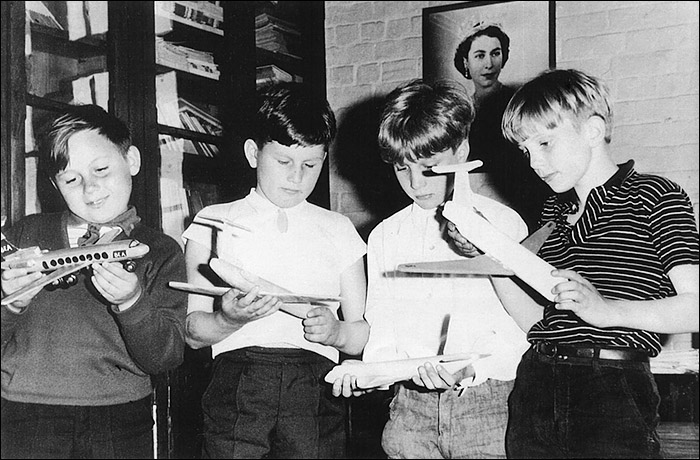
x=63, y=263
x=502, y=255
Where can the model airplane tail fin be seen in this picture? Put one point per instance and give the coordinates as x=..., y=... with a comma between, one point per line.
x=7, y=247
x=534, y=242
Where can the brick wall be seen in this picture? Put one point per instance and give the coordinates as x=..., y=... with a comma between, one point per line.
x=647, y=52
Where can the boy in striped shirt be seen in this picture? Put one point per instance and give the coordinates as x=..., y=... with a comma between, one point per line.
x=626, y=248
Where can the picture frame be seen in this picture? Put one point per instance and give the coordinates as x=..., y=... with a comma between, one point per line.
x=530, y=26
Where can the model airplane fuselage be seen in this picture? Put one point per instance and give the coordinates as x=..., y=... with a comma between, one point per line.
x=502, y=255
x=63, y=263
x=34, y=260
x=377, y=374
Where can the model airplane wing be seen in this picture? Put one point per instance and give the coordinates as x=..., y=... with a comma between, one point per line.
x=480, y=265
x=220, y=223
x=285, y=297
x=373, y=375
x=293, y=303
x=62, y=262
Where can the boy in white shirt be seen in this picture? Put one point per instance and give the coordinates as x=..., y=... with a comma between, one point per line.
x=267, y=398
x=437, y=414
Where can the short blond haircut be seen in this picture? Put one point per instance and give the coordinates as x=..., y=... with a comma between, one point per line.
x=552, y=96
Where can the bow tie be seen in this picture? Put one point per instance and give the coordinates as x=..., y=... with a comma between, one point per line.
x=126, y=221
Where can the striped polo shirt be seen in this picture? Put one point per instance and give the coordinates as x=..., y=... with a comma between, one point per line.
x=633, y=230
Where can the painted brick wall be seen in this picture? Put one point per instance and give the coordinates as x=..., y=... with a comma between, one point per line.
x=647, y=52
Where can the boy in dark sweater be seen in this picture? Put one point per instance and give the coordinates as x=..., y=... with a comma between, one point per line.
x=77, y=360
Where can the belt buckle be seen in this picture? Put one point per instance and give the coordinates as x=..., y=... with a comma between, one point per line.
x=548, y=349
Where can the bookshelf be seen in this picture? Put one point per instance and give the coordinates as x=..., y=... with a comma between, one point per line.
x=191, y=139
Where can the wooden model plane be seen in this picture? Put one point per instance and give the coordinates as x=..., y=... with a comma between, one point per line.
x=479, y=265
x=293, y=303
x=502, y=255
x=378, y=374
x=63, y=263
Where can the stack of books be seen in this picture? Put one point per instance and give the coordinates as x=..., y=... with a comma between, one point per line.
x=178, y=112
x=208, y=16
x=277, y=35
x=186, y=59
x=198, y=120
x=270, y=73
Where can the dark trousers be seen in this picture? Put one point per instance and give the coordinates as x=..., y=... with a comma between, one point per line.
x=54, y=431
x=582, y=408
x=272, y=403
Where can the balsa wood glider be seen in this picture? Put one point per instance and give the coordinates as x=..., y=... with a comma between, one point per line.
x=64, y=262
x=504, y=256
x=373, y=375
x=295, y=304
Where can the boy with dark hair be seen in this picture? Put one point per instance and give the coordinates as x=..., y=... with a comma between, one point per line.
x=267, y=397
x=436, y=414
x=626, y=248
x=77, y=360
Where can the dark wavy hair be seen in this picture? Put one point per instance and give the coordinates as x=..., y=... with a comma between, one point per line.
x=463, y=49
x=293, y=114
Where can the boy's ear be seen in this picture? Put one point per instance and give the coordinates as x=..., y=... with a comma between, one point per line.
x=595, y=130
x=463, y=151
x=133, y=158
x=250, y=148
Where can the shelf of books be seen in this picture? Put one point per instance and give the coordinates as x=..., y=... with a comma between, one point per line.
x=278, y=42
x=188, y=35
x=65, y=57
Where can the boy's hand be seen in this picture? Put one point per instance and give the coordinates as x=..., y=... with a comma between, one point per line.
x=14, y=279
x=579, y=296
x=464, y=247
x=116, y=285
x=347, y=386
x=321, y=326
x=241, y=308
x=434, y=378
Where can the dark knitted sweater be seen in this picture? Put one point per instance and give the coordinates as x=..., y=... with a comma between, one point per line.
x=71, y=347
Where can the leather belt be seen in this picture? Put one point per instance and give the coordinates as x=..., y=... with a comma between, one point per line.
x=564, y=352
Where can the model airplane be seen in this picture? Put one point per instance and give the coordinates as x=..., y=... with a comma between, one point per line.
x=480, y=265
x=220, y=223
x=373, y=375
x=64, y=263
x=295, y=304
x=503, y=255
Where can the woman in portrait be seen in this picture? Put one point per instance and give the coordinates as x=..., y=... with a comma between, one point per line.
x=480, y=57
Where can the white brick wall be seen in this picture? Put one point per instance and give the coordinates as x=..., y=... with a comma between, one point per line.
x=647, y=52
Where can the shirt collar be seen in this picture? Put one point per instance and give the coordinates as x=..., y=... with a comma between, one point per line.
x=264, y=206
x=570, y=202
x=126, y=221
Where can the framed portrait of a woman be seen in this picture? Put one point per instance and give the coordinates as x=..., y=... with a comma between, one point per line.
x=491, y=48
x=529, y=25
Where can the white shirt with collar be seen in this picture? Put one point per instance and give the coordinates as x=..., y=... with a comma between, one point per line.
x=309, y=257
x=417, y=315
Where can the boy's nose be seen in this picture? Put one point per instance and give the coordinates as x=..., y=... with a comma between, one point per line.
x=417, y=179
x=296, y=175
x=90, y=184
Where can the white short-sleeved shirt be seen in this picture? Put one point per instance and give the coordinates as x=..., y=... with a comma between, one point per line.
x=308, y=258
x=410, y=315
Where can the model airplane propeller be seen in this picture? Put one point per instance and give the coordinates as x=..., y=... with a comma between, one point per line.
x=502, y=255
x=63, y=263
